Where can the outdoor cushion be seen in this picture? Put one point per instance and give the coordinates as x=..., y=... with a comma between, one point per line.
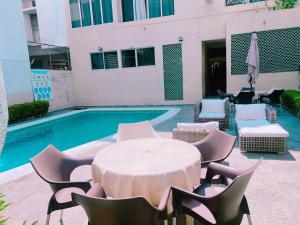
x=212, y=115
x=251, y=123
x=209, y=126
x=271, y=130
x=213, y=105
x=250, y=112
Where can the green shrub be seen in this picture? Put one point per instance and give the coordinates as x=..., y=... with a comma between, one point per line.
x=291, y=100
x=24, y=111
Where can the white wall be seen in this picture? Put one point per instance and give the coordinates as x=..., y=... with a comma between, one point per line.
x=14, y=53
x=196, y=21
x=52, y=22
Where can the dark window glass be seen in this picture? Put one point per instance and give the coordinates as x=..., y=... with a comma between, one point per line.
x=111, y=60
x=97, y=61
x=75, y=13
x=97, y=17
x=107, y=11
x=128, y=58
x=127, y=9
x=145, y=56
x=154, y=8
x=168, y=7
x=85, y=13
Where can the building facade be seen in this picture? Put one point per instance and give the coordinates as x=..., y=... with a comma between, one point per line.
x=45, y=22
x=14, y=53
x=136, y=52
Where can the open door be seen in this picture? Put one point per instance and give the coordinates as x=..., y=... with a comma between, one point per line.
x=214, y=53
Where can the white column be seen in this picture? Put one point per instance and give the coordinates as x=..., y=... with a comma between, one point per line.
x=3, y=110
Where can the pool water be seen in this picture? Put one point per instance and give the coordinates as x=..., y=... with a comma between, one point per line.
x=65, y=133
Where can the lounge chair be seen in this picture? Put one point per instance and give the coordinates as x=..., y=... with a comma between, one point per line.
x=129, y=211
x=194, y=132
x=136, y=130
x=209, y=110
x=55, y=168
x=272, y=97
x=257, y=131
x=244, y=97
x=209, y=206
x=223, y=95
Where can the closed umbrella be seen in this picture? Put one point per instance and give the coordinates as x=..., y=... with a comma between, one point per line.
x=253, y=60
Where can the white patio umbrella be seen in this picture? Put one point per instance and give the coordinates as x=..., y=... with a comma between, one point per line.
x=253, y=60
x=3, y=111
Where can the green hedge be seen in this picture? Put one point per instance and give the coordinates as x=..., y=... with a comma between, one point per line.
x=20, y=112
x=291, y=100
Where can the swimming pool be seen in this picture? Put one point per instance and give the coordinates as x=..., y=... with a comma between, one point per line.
x=66, y=132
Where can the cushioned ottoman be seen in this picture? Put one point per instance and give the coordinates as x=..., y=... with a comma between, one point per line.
x=264, y=138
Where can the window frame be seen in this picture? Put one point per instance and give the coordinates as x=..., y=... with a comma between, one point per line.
x=147, y=12
x=103, y=59
x=136, y=57
x=92, y=15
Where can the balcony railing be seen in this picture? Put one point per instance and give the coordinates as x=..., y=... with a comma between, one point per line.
x=43, y=56
x=237, y=2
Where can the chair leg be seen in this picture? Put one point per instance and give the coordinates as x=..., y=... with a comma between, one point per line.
x=48, y=219
x=174, y=220
x=61, y=217
x=249, y=219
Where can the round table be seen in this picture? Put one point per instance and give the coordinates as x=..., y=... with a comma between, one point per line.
x=146, y=167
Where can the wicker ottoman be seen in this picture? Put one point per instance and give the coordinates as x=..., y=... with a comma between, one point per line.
x=268, y=138
x=189, y=135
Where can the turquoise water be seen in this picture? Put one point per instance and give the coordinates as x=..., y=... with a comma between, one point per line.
x=65, y=133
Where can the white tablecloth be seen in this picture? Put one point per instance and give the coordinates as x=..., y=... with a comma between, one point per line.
x=146, y=167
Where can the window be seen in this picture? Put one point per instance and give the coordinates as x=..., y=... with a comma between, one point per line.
x=75, y=13
x=138, y=57
x=128, y=58
x=104, y=60
x=143, y=9
x=145, y=56
x=85, y=14
x=111, y=60
x=237, y=2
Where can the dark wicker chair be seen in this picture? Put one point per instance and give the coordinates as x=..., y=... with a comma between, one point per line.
x=55, y=168
x=272, y=99
x=129, y=211
x=211, y=207
x=244, y=97
x=223, y=95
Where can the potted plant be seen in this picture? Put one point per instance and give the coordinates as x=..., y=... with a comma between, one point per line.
x=3, y=110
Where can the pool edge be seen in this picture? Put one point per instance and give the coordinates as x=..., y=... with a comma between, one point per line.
x=23, y=170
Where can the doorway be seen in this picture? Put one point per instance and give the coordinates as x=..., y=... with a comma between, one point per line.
x=214, y=62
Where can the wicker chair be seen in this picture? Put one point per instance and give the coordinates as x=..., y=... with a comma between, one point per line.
x=224, y=122
x=259, y=142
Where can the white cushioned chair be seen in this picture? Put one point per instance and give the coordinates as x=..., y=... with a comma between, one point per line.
x=209, y=110
x=257, y=131
x=136, y=130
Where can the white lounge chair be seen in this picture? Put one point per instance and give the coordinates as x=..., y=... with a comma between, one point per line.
x=257, y=131
x=193, y=132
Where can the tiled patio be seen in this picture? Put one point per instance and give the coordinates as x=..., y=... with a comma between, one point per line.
x=273, y=194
